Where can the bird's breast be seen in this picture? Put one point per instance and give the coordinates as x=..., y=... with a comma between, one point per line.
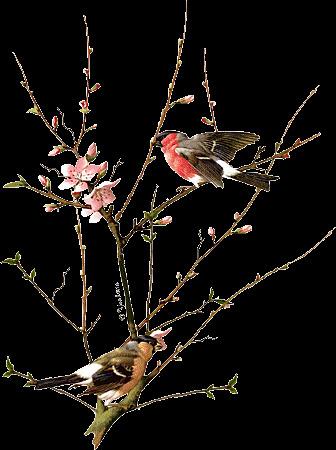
x=179, y=164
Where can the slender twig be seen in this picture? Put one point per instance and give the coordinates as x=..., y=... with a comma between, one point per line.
x=62, y=201
x=93, y=324
x=58, y=390
x=139, y=225
x=59, y=288
x=182, y=316
x=39, y=111
x=278, y=155
x=82, y=247
x=201, y=240
x=183, y=394
x=190, y=273
x=161, y=120
x=52, y=169
x=207, y=90
x=70, y=130
x=151, y=258
x=246, y=287
x=46, y=297
x=115, y=167
x=87, y=85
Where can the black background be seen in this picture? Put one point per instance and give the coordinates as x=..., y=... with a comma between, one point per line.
x=262, y=62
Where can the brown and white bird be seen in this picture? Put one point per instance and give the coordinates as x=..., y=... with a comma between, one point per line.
x=205, y=157
x=113, y=374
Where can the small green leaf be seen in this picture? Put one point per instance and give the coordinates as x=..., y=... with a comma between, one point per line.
x=29, y=383
x=153, y=158
x=220, y=301
x=154, y=236
x=30, y=376
x=9, y=365
x=17, y=256
x=20, y=177
x=232, y=390
x=14, y=185
x=32, y=274
x=211, y=294
x=33, y=110
x=7, y=374
x=26, y=277
x=146, y=238
x=89, y=290
x=10, y=261
x=84, y=110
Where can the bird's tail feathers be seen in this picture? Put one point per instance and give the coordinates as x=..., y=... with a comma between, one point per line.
x=57, y=381
x=256, y=179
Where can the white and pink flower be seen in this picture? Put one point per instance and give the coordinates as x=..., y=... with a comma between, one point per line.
x=77, y=176
x=244, y=230
x=101, y=196
x=212, y=233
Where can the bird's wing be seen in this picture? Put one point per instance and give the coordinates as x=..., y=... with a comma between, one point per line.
x=114, y=373
x=204, y=165
x=221, y=144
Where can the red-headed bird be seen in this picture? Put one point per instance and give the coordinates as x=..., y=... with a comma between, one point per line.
x=205, y=157
x=114, y=374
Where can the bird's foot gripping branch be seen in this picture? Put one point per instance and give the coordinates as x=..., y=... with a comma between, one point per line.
x=117, y=379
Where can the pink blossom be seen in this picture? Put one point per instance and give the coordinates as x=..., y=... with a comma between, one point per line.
x=165, y=220
x=54, y=122
x=158, y=335
x=55, y=151
x=244, y=230
x=212, y=233
x=78, y=175
x=43, y=180
x=101, y=196
x=236, y=215
x=186, y=100
x=83, y=104
x=50, y=207
x=92, y=150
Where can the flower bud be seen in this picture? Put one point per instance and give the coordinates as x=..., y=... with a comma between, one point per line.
x=91, y=153
x=86, y=72
x=212, y=103
x=244, y=230
x=50, y=207
x=206, y=121
x=45, y=181
x=212, y=233
x=57, y=149
x=236, y=215
x=54, y=122
x=164, y=221
x=83, y=104
x=95, y=87
x=102, y=169
x=186, y=100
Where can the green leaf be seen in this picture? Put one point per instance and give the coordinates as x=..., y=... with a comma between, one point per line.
x=9, y=365
x=11, y=261
x=30, y=376
x=84, y=110
x=146, y=238
x=17, y=256
x=33, y=110
x=26, y=277
x=220, y=301
x=20, y=177
x=232, y=390
x=151, y=215
x=211, y=294
x=210, y=395
x=14, y=185
x=29, y=383
x=7, y=374
x=154, y=236
x=32, y=274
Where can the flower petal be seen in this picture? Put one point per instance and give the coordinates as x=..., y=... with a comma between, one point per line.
x=95, y=217
x=81, y=186
x=86, y=212
x=108, y=184
x=67, y=183
x=67, y=170
x=81, y=164
x=107, y=196
x=94, y=200
x=89, y=172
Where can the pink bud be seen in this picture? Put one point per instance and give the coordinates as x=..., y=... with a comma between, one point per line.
x=94, y=126
x=86, y=71
x=236, y=216
x=286, y=155
x=212, y=233
x=102, y=168
x=54, y=122
x=297, y=142
x=95, y=87
x=186, y=100
x=83, y=104
x=165, y=220
x=50, y=207
x=92, y=150
x=258, y=277
x=212, y=103
x=244, y=230
x=44, y=181
x=56, y=151
x=206, y=121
